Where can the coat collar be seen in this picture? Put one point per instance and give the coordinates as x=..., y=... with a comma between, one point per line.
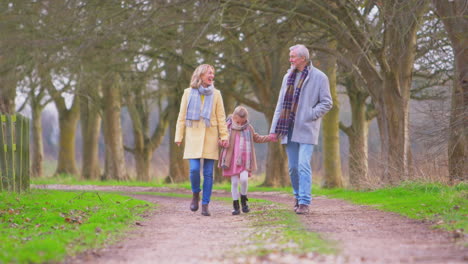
x=312, y=68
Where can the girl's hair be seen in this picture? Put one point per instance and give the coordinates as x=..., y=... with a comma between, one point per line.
x=241, y=112
x=199, y=71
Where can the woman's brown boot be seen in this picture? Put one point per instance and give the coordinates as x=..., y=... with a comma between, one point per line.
x=204, y=210
x=194, y=203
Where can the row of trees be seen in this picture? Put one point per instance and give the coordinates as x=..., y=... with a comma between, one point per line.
x=93, y=58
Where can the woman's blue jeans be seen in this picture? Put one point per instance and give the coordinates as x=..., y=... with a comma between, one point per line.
x=208, y=165
x=300, y=171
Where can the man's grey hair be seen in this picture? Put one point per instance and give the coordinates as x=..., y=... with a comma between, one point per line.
x=301, y=51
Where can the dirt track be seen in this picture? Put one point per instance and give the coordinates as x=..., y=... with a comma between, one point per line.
x=173, y=234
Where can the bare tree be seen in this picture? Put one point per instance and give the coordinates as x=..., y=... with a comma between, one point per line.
x=454, y=16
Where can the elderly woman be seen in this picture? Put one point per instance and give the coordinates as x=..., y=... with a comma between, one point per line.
x=202, y=118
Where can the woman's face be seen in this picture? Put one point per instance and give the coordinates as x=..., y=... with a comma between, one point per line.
x=239, y=120
x=208, y=78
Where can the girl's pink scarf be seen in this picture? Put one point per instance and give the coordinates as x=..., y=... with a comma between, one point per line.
x=245, y=146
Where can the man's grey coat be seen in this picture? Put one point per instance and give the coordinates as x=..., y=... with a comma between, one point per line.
x=314, y=102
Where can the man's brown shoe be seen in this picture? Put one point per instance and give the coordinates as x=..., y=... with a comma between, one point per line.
x=195, y=201
x=302, y=209
x=204, y=210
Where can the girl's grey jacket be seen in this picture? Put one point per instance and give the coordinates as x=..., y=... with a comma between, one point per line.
x=314, y=102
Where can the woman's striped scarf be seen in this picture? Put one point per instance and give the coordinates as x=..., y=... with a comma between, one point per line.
x=194, y=111
x=290, y=102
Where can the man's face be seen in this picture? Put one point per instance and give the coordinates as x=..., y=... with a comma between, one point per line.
x=296, y=62
x=208, y=78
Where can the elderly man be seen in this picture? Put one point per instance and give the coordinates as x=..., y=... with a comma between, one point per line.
x=304, y=98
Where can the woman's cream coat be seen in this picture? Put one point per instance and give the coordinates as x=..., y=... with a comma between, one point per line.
x=201, y=142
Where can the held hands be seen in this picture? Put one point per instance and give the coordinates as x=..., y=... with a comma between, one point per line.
x=223, y=143
x=272, y=137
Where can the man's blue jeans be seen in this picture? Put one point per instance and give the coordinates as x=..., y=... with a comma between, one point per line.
x=300, y=172
x=207, y=177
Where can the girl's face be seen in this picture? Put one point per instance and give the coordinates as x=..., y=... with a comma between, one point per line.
x=239, y=120
x=208, y=78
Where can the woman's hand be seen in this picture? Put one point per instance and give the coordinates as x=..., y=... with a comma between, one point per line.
x=178, y=143
x=225, y=143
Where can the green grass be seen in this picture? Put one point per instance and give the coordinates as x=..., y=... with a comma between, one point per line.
x=279, y=229
x=45, y=226
x=254, y=183
x=446, y=206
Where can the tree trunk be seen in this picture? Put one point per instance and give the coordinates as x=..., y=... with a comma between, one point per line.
x=277, y=166
x=393, y=122
x=453, y=15
x=330, y=124
x=38, y=147
x=358, y=138
x=178, y=167
x=115, y=168
x=90, y=130
x=392, y=99
x=68, y=120
x=7, y=94
x=142, y=160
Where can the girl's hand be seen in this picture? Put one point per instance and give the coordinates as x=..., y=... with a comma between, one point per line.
x=225, y=143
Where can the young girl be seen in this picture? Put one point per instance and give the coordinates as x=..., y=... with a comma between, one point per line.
x=238, y=159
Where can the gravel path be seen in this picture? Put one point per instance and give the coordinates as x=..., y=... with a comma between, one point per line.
x=173, y=234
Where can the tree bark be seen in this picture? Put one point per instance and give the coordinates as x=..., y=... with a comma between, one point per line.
x=68, y=121
x=90, y=130
x=178, y=167
x=142, y=162
x=454, y=16
x=357, y=134
x=115, y=168
x=392, y=97
x=38, y=146
x=7, y=94
x=330, y=125
x=276, y=167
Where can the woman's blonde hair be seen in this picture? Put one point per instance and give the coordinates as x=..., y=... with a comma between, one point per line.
x=199, y=71
x=241, y=112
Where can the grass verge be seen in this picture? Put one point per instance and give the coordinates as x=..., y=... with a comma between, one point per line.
x=445, y=206
x=44, y=226
x=255, y=185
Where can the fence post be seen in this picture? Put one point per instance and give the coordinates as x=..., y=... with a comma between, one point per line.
x=14, y=153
